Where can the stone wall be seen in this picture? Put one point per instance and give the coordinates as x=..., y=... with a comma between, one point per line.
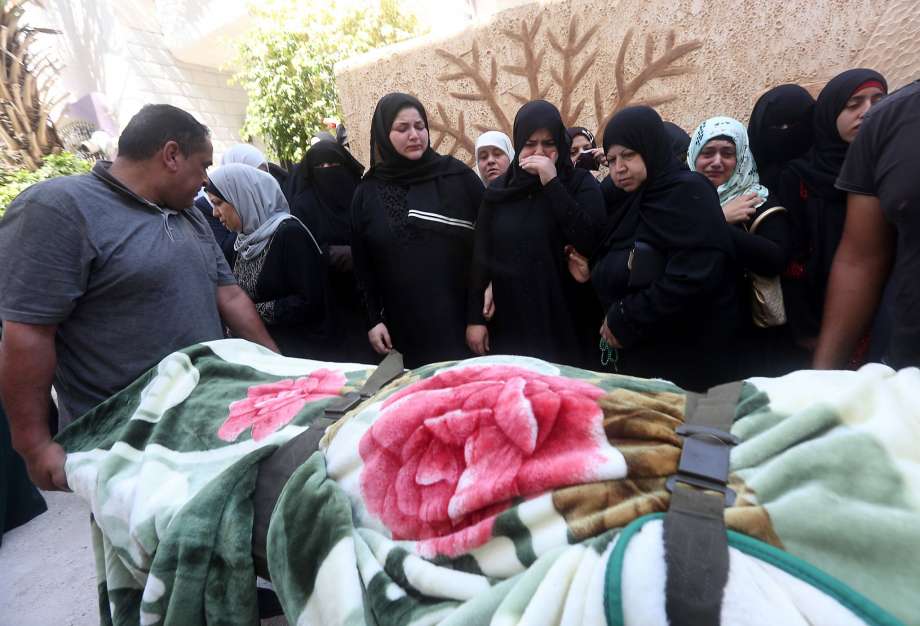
x=690, y=59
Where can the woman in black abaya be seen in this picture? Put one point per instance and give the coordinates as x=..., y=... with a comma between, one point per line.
x=666, y=271
x=529, y=216
x=817, y=209
x=320, y=191
x=413, y=217
x=780, y=130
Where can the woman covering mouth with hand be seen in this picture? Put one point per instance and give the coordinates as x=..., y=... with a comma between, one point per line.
x=529, y=217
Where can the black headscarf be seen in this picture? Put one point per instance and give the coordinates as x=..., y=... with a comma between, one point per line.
x=387, y=164
x=533, y=116
x=780, y=129
x=820, y=167
x=678, y=208
x=321, y=196
x=680, y=143
x=575, y=131
x=819, y=227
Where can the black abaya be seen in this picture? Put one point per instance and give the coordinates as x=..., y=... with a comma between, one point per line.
x=321, y=196
x=523, y=229
x=412, y=242
x=817, y=209
x=680, y=324
x=780, y=130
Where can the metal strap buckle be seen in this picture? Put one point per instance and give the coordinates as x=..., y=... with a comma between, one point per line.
x=704, y=461
x=344, y=404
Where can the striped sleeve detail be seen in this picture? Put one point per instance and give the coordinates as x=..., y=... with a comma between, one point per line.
x=442, y=219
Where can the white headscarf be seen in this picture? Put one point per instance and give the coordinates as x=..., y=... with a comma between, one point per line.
x=493, y=138
x=244, y=153
x=259, y=202
x=744, y=179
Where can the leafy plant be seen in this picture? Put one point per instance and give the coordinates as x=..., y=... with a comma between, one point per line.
x=15, y=181
x=26, y=133
x=285, y=63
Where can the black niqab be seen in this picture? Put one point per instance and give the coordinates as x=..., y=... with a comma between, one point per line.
x=780, y=129
x=533, y=116
x=321, y=196
x=821, y=166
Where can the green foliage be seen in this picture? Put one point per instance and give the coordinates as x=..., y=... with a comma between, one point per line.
x=14, y=182
x=285, y=63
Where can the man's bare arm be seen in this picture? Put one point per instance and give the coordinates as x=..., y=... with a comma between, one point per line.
x=241, y=316
x=27, y=362
x=861, y=267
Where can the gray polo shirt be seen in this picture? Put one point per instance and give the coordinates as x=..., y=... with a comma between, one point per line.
x=125, y=281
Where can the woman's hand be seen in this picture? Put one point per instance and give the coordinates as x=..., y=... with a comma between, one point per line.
x=578, y=265
x=488, y=307
x=379, y=337
x=477, y=338
x=741, y=208
x=608, y=336
x=598, y=153
x=539, y=165
x=340, y=258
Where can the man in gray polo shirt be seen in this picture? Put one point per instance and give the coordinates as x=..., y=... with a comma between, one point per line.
x=105, y=273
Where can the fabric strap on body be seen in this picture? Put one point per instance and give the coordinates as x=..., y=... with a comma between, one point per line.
x=695, y=541
x=276, y=469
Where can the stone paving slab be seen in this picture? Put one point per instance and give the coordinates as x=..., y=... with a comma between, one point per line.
x=47, y=575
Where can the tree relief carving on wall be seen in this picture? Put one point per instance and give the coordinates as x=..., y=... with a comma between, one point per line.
x=558, y=68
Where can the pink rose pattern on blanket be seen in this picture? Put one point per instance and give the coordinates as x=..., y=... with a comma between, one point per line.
x=267, y=408
x=451, y=452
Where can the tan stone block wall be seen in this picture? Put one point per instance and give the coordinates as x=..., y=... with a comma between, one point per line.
x=118, y=48
x=150, y=74
x=690, y=59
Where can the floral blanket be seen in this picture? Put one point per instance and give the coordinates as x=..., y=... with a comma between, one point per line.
x=498, y=490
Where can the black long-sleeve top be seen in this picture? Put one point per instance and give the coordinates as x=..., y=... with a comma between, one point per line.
x=287, y=281
x=765, y=251
x=540, y=310
x=414, y=272
x=681, y=325
x=816, y=226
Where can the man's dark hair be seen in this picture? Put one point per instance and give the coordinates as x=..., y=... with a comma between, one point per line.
x=154, y=125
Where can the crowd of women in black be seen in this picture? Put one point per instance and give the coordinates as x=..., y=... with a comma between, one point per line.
x=699, y=258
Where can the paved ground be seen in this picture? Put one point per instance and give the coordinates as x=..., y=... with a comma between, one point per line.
x=47, y=575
